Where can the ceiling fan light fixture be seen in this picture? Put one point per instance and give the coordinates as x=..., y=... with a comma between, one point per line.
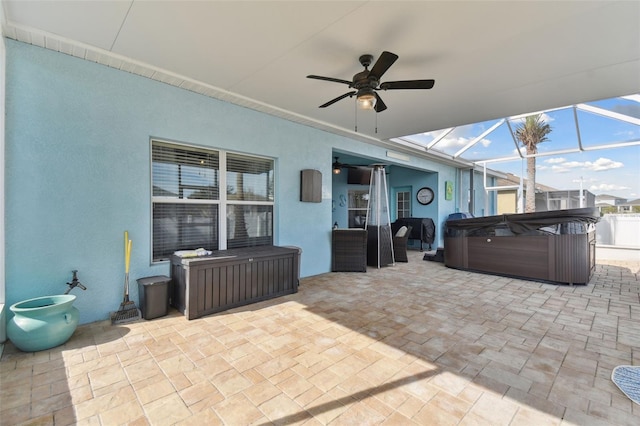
x=366, y=99
x=337, y=167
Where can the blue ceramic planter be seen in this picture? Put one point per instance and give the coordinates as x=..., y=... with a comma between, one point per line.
x=43, y=322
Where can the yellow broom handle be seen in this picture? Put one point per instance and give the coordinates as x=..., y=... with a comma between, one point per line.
x=128, y=258
x=126, y=243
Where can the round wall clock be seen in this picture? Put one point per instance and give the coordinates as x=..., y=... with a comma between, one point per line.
x=425, y=196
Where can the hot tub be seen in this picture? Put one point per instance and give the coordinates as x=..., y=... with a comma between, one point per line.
x=555, y=246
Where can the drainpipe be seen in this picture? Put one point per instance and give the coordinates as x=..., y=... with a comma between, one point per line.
x=3, y=322
x=471, y=193
x=520, y=207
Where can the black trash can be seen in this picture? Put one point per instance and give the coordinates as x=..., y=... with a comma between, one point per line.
x=154, y=296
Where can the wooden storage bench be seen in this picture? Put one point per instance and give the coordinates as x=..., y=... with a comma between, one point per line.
x=230, y=278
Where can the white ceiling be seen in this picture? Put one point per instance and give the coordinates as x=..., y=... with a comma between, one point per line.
x=489, y=59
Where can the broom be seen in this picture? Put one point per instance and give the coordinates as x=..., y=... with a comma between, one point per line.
x=128, y=311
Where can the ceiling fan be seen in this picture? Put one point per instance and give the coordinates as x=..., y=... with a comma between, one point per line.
x=337, y=166
x=367, y=82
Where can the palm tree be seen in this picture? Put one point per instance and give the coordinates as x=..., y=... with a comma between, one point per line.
x=530, y=133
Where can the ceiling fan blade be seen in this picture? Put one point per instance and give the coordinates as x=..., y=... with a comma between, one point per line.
x=380, y=106
x=333, y=101
x=335, y=80
x=338, y=165
x=407, y=84
x=382, y=64
x=345, y=166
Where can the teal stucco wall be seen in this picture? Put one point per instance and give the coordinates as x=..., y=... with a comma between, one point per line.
x=77, y=173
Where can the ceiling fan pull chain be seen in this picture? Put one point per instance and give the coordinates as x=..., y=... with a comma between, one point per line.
x=376, y=115
x=355, y=104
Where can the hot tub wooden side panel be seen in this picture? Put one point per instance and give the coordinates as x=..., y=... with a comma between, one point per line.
x=567, y=258
x=572, y=258
x=518, y=256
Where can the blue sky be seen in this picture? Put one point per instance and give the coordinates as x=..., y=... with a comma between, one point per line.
x=612, y=171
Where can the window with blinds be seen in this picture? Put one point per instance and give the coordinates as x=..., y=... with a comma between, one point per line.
x=249, y=201
x=189, y=207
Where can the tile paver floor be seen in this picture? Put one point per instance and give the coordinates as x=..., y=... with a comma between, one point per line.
x=416, y=343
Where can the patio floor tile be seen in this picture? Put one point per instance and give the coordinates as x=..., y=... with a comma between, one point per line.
x=414, y=343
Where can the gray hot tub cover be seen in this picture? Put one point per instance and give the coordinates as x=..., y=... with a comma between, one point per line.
x=526, y=222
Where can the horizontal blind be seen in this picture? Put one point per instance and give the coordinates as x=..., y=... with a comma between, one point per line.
x=249, y=178
x=185, y=173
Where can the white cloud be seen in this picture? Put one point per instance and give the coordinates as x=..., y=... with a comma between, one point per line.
x=565, y=167
x=560, y=168
x=452, y=142
x=575, y=164
x=555, y=160
x=544, y=118
x=607, y=187
x=604, y=164
x=485, y=142
x=628, y=134
x=522, y=149
x=547, y=118
x=560, y=165
x=459, y=142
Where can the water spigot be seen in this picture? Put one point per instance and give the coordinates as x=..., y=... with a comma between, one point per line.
x=74, y=283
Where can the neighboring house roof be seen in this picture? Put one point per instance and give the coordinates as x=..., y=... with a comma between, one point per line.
x=611, y=200
x=632, y=203
x=512, y=179
x=608, y=197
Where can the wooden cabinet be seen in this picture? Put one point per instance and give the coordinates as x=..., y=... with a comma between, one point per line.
x=231, y=278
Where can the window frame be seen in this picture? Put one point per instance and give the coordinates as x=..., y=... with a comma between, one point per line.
x=222, y=201
x=406, y=195
x=353, y=194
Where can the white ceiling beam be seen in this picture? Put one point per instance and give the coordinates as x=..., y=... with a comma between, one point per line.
x=609, y=114
x=439, y=138
x=479, y=138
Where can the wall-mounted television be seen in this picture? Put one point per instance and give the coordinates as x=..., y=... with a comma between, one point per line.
x=359, y=176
